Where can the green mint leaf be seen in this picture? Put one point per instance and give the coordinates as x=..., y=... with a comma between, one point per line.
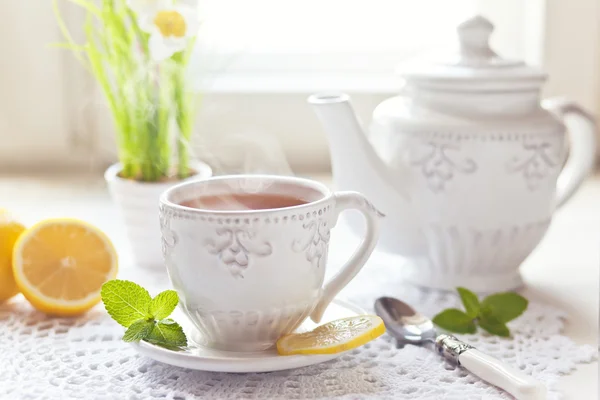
x=454, y=320
x=167, y=333
x=138, y=330
x=125, y=301
x=492, y=325
x=505, y=306
x=163, y=304
x=470, y=301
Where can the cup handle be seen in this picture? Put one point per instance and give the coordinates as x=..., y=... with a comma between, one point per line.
x=582, y=132
x=345, y=201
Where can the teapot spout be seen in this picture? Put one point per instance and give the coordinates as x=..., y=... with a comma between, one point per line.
x=354, y=162
x=357, y=166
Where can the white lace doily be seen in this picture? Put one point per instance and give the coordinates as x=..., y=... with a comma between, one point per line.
x=53, y=358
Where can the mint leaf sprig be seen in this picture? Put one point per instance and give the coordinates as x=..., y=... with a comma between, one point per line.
x=144, y=317
x=491, y=314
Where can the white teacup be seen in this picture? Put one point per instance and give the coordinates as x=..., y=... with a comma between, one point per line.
x=248, y=276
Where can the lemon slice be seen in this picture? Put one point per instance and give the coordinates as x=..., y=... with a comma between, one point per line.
x=10, y=230
x=60, y=265
x=333, y=337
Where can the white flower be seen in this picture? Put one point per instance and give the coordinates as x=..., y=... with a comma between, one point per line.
x=169, y=28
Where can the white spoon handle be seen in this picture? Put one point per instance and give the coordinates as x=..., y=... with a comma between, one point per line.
x=490, y=369
x=494, y=371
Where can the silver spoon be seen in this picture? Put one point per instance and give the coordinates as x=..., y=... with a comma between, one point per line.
x=410, y=327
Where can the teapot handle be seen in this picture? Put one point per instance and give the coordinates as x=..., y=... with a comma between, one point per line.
x=582, y=131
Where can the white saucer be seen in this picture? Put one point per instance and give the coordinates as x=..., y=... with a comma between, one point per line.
x=202, y=358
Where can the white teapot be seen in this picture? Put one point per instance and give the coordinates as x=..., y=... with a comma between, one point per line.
x=466, y=164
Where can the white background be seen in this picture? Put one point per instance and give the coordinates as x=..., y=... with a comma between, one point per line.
x=259, y=60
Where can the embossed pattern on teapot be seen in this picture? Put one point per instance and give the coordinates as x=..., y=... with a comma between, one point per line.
x=466, y=163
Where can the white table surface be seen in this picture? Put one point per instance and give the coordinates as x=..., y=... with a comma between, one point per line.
x=563, y=270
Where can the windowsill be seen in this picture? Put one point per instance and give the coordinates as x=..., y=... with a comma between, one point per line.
x=301, y=72
x=278, y=82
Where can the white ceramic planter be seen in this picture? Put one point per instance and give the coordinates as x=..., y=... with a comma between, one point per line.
x=138, y=205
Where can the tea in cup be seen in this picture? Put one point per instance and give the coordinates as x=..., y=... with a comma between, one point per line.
x=247, y=254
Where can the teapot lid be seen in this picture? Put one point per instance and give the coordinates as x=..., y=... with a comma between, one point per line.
x=475, y=67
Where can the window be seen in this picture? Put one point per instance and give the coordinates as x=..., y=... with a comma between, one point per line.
x=275, y=43
x=259, y=59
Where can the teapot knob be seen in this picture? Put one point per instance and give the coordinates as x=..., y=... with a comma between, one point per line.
x=474, y=36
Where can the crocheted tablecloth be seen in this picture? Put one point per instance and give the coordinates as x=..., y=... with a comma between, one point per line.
x=56, y=358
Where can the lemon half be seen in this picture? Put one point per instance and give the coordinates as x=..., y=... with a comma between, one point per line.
x=10, y=230
x=60, y=265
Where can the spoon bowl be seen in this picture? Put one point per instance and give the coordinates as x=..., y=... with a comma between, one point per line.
x=404, y=323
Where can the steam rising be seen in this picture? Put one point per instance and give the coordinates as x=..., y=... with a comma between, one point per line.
x=251, y=153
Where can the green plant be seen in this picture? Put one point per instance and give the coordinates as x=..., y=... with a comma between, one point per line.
x=144, y=317
x=491, y=314
x=138, y=51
